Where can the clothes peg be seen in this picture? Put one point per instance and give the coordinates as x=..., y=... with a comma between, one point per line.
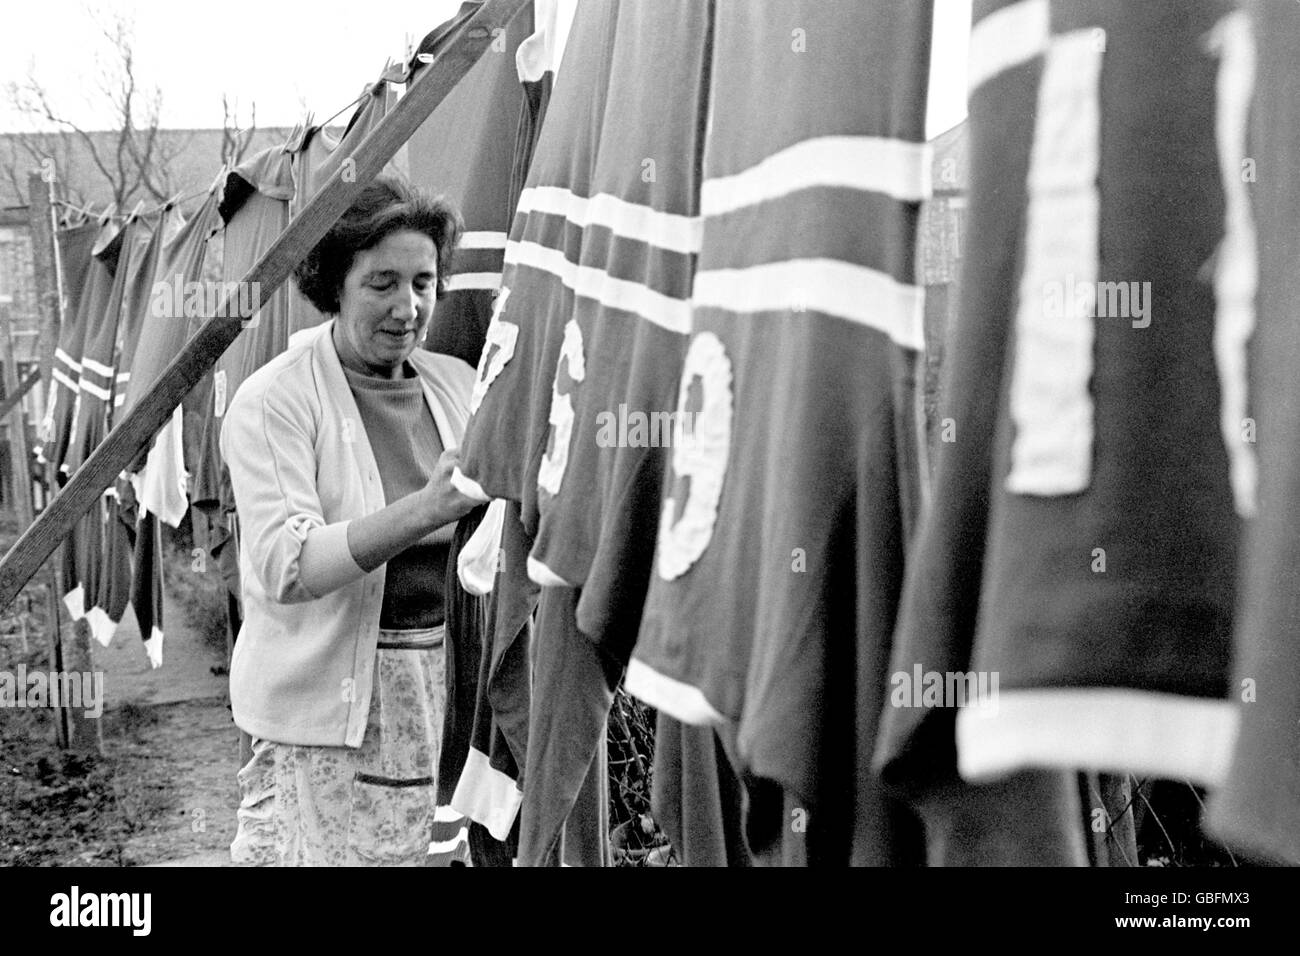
x=298, y=138
x=392, y=73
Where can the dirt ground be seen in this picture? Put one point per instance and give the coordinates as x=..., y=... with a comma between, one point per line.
x=163, y=792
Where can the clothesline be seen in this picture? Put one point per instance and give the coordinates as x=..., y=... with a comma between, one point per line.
x=88, y=210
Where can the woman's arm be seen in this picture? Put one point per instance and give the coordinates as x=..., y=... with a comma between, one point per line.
x=391, y=530
x=294, y=554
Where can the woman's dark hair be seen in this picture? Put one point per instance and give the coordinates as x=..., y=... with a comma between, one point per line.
x=385, y=206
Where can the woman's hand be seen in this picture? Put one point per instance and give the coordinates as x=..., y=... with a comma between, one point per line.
x=378, y=536
x=444, y=501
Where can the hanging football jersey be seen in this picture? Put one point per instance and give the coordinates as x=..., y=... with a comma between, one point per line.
x=614, y=387
x=177, y=304
x=470, y=163
x=464, y=151
x=318, y=156
x=564, y=818
x=100, y=542
x=538, y=61
x=96, y=288
x=1258, y=808
x=509, y=428
x=489, y=788
x=625, y=209
x=134, y=547
x=65, y=404
x=507, y=435
x=1074, y=574
x=698, y=800
x=463, y=646
x=621, y=351
x=75, y=246
x=787, y=504
x=255, y=208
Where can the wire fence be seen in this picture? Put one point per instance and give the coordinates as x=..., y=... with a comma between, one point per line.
x=1130, y=821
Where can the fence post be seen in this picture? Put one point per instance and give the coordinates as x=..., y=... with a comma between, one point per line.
x=49, y=294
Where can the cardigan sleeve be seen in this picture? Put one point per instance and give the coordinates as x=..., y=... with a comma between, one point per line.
x=271, y=454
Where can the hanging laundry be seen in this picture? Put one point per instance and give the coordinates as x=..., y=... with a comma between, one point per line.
x=503, y=444
x=259, y=199
x=698, y=799
x=75, y=247
x=602, y=245
x=91, y=288
x=129, y=547
x=102, y=543
x=93, y=581
x=96, y=288
x=318, y=156
x=1083, y=535
x=489, y=787
x=255, y=209
x=177, y=300
x=1258, y=808
x=538, y=61
x=780, y=545
x=622, y=346
x=462, y=640
x=465, y=151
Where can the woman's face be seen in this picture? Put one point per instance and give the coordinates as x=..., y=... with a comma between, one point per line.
x=386, y=302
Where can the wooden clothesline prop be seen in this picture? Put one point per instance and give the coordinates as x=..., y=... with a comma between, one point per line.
x=130, y=436
x=24, y=387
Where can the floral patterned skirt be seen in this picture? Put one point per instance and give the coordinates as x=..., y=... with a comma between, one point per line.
x=366, y=806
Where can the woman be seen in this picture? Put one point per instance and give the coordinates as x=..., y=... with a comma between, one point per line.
x=340, y=452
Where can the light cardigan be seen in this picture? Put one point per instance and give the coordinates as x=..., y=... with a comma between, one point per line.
x=302, y=468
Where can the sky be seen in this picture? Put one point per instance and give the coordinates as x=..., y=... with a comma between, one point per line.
x=271, y=52
x=282, y=55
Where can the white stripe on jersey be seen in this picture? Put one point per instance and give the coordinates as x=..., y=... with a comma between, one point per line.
x=843, y=290
x=445, y=814
x=66, y=359
x=1051, y=404
x=1236, y=274
x=482, y=240
x=90, y=364
x=679, y=700
x=468, y=486
x=88, y=386
x=1006, y=39
x=539, y=573
x=462, y=281
x=446, y=846
x=892, y=167
x=591, y=283
x=670, y=231
x=59, y=376
x=486, y=795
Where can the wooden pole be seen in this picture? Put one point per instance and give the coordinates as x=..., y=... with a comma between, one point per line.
x=25, y=386
x=49, y=291
x=130, y=436
x=18, y=457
